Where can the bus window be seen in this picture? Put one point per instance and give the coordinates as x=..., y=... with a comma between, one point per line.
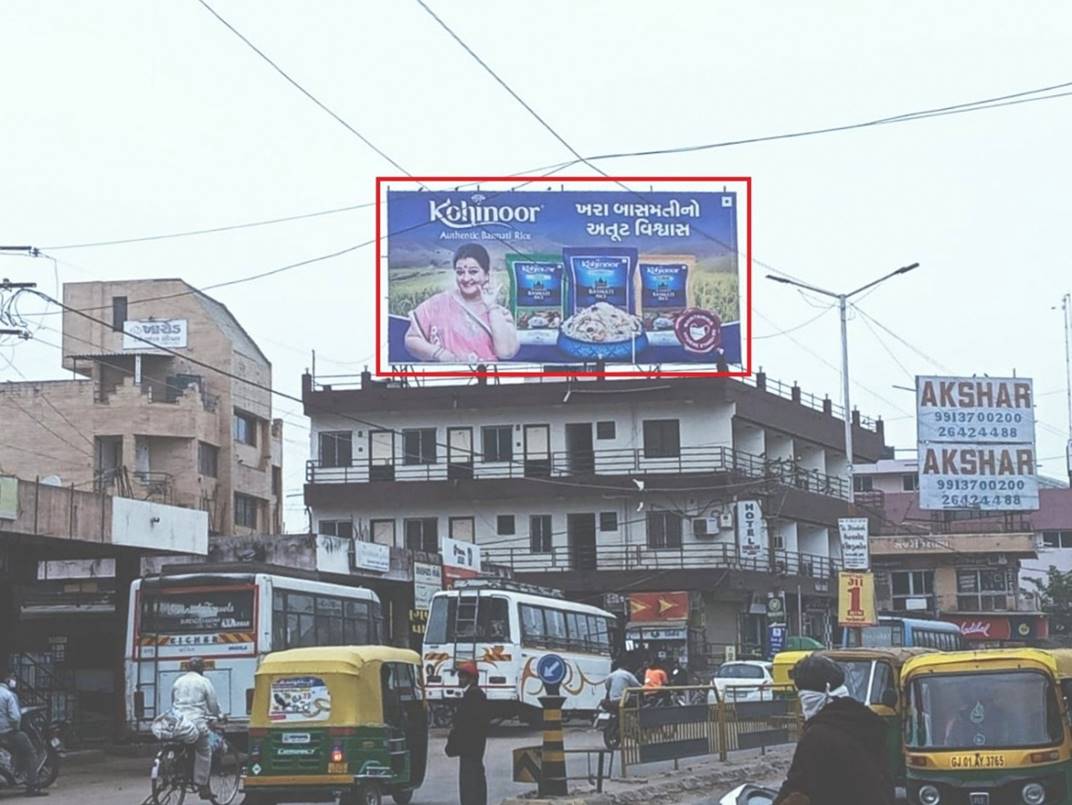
x=357, y=631
x=532, y=626
x=600, y=635
x=183, y=612
x=329, y=630
x=555, y=621
x=577, y=622
x=493, y=619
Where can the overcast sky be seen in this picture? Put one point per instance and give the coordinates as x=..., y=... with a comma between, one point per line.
x=127, y=118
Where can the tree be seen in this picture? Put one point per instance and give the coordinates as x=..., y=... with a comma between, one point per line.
x=1055, y=596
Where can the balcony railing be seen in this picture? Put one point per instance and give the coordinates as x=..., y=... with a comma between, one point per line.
x=687, y=556
x=581, y=464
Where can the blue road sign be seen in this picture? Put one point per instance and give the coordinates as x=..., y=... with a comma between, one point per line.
x=551, y=668
x=776, y=633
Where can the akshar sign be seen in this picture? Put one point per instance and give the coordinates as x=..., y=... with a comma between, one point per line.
x=500, y=276
x=976, y=443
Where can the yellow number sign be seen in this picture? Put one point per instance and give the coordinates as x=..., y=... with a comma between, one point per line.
x=856, y=599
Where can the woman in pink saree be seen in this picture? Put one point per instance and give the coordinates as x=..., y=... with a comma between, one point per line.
x=465, y=324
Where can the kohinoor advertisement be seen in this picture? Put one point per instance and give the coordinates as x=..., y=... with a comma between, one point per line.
x=502, y=277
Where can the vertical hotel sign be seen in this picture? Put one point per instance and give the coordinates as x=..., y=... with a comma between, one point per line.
x=976, y=443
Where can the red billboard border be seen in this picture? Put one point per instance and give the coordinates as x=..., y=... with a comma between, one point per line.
x=746, y=372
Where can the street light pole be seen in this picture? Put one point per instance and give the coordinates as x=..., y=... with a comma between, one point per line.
x=843, y=309
x=843, y=304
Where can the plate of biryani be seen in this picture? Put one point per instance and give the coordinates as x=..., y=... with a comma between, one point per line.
x=602, y=332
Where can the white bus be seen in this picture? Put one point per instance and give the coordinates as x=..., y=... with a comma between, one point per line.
x=231, y=620
x=505, y=628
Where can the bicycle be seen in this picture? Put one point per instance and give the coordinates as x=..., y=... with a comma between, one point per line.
x=172, y=776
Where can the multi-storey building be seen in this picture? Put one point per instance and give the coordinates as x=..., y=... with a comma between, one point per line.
x=603, y=488
x=145, y=422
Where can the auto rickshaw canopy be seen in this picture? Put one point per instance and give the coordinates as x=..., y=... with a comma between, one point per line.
x=340, y=685
x=1058, y=663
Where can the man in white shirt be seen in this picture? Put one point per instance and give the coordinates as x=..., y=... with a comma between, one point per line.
x=194, y=697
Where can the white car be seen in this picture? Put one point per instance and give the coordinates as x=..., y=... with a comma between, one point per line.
x=744, y=681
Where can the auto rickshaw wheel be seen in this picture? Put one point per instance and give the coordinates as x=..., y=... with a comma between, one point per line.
x=402, y=796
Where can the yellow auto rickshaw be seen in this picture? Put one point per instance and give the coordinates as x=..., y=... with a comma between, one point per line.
x=988, y=727
x=345, y=723
x=781, y=666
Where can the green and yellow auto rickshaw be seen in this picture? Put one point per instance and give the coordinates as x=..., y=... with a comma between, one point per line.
x=988, y=727
x=345, y=723
x=873, y=677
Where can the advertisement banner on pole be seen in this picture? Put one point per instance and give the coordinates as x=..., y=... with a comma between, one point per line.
x=856, y=599
x=561, y=277
x=854, y=543
x=976, y=443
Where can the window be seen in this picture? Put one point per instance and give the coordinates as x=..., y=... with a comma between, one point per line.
x=304, y=619
x=983, y=590
x=540, y=533
x=733, y=670
x=119, y=313
x=1057, y=539
x=546, y=627
x=662, y=438
x=497, y=443
x=336, y=528
x=532, y=626
x=863, y=483
x=336, y=448
x=245, y=510
x=913, y=590
x=208, y=459
x=382, y=532
x=664, y=529
x=608, y=521
x=419, y=446
x=422, y=534
x=277, y=482
x=245, y=429
x=910, y=483
x=505, y=525
x=452, y=619
x=605, y=430
x=462, y=529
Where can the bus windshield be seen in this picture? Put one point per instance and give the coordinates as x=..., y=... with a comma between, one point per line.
x=184, y=612
x=971, y=711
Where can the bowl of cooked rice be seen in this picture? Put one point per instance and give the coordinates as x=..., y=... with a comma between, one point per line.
x=602, y=332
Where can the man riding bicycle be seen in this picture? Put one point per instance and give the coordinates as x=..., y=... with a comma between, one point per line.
x=16, y=741
x=194, y=697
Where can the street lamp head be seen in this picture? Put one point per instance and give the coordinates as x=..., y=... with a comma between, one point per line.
x=906, y=269
x=779, y=279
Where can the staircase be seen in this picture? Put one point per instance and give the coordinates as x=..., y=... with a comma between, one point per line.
x=39, y=683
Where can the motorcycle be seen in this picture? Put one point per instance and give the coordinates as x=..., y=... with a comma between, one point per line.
x=749, y=794
x=47, y=740
x=606, y=721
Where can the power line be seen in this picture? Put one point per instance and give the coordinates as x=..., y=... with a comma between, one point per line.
x=800, y=326
x=209, y=231
x=302, y=89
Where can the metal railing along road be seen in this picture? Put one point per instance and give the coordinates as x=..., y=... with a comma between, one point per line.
x=564, y=558
x=580, y=464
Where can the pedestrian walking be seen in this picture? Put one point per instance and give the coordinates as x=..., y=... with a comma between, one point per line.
x=469, y=737
x=841, y=756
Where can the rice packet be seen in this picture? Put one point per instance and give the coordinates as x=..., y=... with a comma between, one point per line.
x=664, y=290
x=537, y=296
x=600, y=274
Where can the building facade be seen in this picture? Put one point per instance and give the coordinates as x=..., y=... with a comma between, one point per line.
x=139, y=421
x=722, y=489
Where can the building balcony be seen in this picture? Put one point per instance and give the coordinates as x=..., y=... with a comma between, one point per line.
x=687, y=556
x=625, y=464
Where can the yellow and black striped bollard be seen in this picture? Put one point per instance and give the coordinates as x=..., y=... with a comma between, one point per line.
x=553, y=754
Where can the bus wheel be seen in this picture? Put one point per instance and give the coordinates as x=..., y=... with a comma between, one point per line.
x=402, y=796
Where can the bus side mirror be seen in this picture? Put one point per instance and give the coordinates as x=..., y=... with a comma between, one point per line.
x=889, y=698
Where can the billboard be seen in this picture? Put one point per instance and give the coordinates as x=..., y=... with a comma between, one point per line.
x=461, y=560
x=976, y=443
x=566, y=277
x=145, y=335
x=856, y=599
x=658, y=606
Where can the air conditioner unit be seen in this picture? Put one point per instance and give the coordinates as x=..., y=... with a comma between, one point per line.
x=705, y=527
x=725, y=519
